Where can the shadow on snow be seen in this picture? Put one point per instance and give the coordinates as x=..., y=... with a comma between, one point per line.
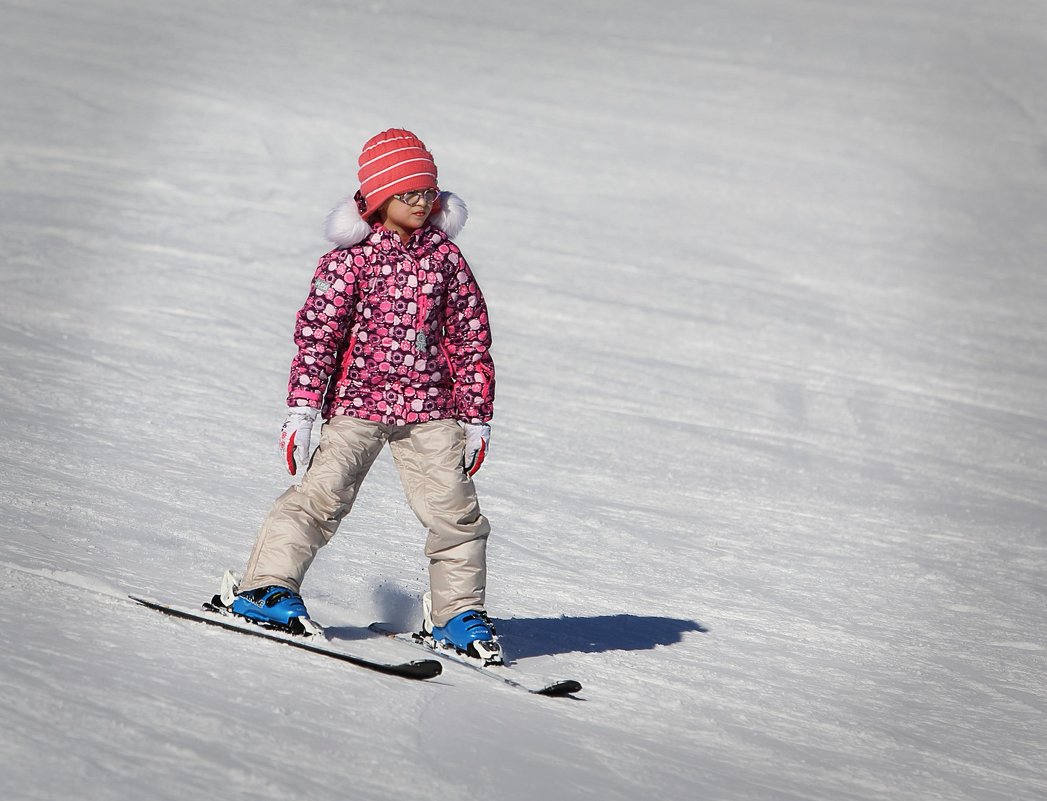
x=526, y=637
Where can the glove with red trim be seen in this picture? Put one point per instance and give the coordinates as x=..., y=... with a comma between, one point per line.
x=477, y=442
x=295, y=435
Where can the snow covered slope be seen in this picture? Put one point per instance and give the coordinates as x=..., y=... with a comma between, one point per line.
x=768, y=474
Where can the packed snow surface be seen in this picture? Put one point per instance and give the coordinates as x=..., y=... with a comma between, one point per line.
x=769, y=469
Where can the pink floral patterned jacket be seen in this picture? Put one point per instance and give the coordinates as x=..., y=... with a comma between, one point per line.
x=391, y=332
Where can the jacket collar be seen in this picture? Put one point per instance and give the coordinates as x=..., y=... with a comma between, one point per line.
x=345, y=228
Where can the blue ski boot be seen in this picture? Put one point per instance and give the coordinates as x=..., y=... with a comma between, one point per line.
x=470, y=633
x=273, y=606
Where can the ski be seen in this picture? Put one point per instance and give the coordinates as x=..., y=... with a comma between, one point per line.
x=554, y=689
x=213, y=616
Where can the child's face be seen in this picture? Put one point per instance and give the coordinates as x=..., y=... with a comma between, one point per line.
x=397, y=215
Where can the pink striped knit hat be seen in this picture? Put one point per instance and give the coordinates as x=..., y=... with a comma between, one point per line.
x=393, y=162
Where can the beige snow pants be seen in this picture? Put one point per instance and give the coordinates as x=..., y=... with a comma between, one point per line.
x=428, y=457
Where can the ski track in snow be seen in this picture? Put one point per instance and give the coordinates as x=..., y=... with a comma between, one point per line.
x=767, y=287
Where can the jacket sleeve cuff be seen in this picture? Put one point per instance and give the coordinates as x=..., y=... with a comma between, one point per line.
x=474, y=414
x=311, y=398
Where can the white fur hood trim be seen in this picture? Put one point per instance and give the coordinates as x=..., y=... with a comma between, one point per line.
x=345, y=227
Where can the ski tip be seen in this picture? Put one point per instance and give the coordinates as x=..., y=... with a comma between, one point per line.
x=423, y=669
x=560, y=688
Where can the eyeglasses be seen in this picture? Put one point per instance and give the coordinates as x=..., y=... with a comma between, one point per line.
x=427, y=196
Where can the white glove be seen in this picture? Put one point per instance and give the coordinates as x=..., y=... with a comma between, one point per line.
x=295, y=434
x=477, y=443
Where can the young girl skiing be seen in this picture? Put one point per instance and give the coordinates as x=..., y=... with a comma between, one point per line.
x=393, y=347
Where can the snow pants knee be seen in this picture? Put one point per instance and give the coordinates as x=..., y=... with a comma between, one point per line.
x=428, y=457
